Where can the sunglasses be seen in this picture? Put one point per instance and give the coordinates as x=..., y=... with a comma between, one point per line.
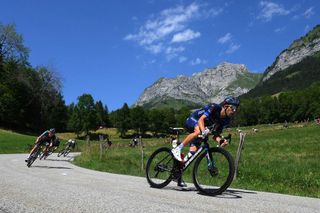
x=234, y=108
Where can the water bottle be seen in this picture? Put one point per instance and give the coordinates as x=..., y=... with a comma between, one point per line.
x=189, y=155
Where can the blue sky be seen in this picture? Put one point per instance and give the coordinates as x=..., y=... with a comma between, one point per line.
x=115, y=49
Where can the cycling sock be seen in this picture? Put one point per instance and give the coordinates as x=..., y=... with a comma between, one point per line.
x=180, y=146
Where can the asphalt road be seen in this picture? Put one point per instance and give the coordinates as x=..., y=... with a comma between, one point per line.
x=56, y=185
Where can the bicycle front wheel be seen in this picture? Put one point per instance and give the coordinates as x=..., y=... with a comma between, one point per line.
x=213, y=171
x=33, y=157
x=66, y=153
x=159, y=168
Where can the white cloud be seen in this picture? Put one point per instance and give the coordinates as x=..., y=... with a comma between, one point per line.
x=182, y=59
x=197, y=61
x=215, y=12
x=227, y=37
x=172, y=52
x=155, y=49
x=270, y=9
x=169, y=21
x=167, y=31
x=308, y=13
x=232, y=48
x=185, y=36
x=280, y=29
x=307, y=28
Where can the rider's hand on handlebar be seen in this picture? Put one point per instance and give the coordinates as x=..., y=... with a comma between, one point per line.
x=223, y=143
x=205, y=133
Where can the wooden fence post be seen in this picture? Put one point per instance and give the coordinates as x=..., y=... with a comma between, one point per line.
x=101, y=146
x=141, y=146
x=240, y=148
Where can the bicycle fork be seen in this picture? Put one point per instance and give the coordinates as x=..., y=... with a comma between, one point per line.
x=213, y=170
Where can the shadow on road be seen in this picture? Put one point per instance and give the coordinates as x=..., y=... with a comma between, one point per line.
x=228, y=194
x=52, y=167
x=66, y=160
x=231, y=194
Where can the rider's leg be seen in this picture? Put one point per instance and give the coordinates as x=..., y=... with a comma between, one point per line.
x=32, y=151
x=192, y=136
x=46, y=148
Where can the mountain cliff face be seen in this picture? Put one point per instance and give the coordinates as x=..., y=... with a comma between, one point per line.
x=298, y=50
x=210, y=85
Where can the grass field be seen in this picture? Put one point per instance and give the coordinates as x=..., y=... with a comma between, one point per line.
x=12, y=142
x=274, y=159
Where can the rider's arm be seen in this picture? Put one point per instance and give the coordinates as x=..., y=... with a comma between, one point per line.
x=38, y=139
x=201, y=122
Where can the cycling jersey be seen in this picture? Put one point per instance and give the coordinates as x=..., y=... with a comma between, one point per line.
x=71, y=143
x=212, y=113
x=44, y=137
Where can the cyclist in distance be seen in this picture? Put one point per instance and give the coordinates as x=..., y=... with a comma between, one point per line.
x=216, y=115
x=71, y=144
x=47, y=136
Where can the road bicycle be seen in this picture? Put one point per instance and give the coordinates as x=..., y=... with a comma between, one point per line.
x=212, y=173
x=65, y=151
x=48, y=152
x=36, y=153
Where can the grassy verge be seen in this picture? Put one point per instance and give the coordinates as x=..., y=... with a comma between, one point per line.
x=11, y=142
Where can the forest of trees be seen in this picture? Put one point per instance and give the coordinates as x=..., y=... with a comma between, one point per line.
x=31, y=100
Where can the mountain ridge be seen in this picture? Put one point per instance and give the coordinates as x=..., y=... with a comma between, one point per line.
x=210, y=85
x=213, y=84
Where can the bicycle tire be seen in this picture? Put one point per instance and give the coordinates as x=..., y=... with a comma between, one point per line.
x=30, y=161
x=60, y=153
x=46, y=156
x=42, y=156
x=66, y=153
x=159, y=168
x=213, y=180
x=33, y=157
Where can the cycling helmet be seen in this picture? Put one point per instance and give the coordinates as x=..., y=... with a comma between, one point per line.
x=231, y=101
x=52, y=130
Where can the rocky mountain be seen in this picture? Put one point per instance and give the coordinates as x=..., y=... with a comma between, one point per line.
x=210, y=85
x=296, y=68
x=307, y=45
x=294, y=65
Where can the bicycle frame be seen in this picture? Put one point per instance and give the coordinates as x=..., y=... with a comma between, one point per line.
x=204, y=147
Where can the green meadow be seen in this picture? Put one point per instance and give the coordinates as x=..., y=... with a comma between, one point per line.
x=274, y=159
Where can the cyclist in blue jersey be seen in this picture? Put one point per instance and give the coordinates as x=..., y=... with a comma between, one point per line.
x=218, y=116
x=47, y=137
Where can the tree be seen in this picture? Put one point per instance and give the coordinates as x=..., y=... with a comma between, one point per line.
x=11, y=45
x=75, y=120
x=101, y=114
x=122, y=119
x=155, y=121
x=86, y=113
x=139, y=119
x=169, y=119
x=107, y=118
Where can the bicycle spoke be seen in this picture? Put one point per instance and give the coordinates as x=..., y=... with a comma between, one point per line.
x=159, y=168
x=214, y=176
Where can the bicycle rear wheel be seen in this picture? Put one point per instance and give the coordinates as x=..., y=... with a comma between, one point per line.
x=61, y=153
x=213, y=178
x=159, y=168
